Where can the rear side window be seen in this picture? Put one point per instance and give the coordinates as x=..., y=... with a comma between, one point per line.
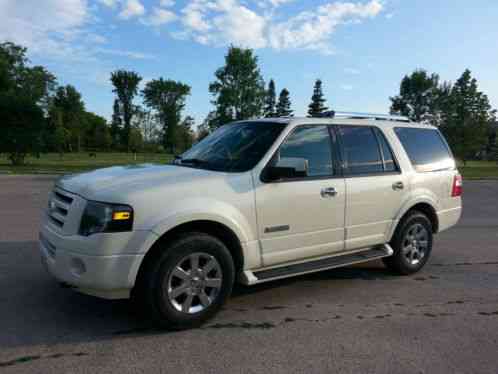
x=426, y=148
x=361, y=151
x=387, y=153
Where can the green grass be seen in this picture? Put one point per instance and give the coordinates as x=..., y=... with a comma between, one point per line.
x=479, y=169
x=76, y=162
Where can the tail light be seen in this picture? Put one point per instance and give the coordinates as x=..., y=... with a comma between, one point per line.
x=457, y=186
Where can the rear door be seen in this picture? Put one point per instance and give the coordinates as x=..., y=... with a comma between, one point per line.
x=375, y=186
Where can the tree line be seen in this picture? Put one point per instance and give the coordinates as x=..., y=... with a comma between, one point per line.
x=462, y=112
x=38, y=115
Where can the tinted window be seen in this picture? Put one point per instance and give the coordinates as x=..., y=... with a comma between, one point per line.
x=389, y=164
x=425, y=148
x=310, y=144
x=360, y=150
x=234, y=147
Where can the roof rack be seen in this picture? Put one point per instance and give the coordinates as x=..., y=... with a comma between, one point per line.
x=372, y=116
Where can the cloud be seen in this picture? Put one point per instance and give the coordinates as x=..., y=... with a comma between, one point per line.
x=222, y=22
x=37, y=23
x=352, y=71
x=159, y=17
x=389, y=15
x=314, y=29
x=166, y=3
x=124, y=53
x=109, y=3
x=346, y=87
x=131, y=9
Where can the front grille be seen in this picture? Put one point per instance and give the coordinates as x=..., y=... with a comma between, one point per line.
x=58, y=207
x=51, y=249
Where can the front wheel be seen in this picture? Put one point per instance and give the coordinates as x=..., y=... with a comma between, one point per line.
x=189, y=282
x=412, y=244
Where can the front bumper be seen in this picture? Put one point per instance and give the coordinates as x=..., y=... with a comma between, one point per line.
x=110, y=276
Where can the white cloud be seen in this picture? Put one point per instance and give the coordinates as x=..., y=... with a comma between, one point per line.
x=132, y=8
x=389, y=15
x=109, y=3
x=166, y=3
x=346, y=87
x=34, y=23
x=313, y=29
x=222, y=22
x=124, y=53
x=159, y=17
x=352, y=71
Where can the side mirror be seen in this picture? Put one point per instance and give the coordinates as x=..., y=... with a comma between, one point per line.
x=287, y=168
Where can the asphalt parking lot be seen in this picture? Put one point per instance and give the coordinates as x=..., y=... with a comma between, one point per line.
x=354, y=320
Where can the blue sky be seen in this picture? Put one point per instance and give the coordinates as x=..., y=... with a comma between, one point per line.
x=360, y=49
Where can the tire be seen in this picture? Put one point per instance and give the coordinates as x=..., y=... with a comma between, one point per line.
x=412, y=244
x=177, y=296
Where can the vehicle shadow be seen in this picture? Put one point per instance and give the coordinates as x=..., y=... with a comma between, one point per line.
x=36, y=310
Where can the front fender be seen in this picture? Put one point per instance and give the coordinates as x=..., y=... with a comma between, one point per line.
x=206, y=210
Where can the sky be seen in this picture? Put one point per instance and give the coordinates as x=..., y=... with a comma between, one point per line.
x=359, y=49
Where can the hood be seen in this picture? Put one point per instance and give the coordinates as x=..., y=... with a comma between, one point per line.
x=122, y=180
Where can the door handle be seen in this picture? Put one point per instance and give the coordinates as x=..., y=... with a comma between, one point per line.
x=398, y=186
x=328, y=192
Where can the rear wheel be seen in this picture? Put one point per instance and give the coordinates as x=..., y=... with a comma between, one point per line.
x=412, y=244
x=189, y=282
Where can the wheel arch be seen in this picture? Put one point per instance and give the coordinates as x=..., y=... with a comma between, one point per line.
x=425, y=206
x=210, y=227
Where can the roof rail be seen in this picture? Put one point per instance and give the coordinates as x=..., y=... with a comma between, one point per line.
x=356, y=115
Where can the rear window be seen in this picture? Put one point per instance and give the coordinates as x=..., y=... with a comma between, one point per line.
x=426, y=148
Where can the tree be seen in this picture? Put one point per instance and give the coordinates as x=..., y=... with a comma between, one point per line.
x=116, y=125
x=24, y=97
x=17, y=78
x=284, y=104
x=239, y=88
x=418, y=97
x=185, y=134
x=68, y=102
x=126, y=88
x=466, y=115
x=270, y=100
x=167, y=97
x=21, y=124
x=97, y=132
x=317, y=105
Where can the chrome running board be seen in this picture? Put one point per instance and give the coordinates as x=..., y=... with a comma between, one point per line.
x=266, y=275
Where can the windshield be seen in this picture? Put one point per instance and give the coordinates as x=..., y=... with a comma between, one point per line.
x=234, y=147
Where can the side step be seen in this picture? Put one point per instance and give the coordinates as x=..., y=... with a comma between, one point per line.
x=319, y=265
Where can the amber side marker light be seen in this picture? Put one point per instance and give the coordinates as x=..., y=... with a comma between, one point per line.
x=121, y=216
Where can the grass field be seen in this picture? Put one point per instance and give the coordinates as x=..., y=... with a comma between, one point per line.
x=76, y=162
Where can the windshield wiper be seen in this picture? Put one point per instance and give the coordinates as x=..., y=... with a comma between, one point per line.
x=194, y=161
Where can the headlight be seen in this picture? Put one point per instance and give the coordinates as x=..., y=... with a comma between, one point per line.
x=102, y=217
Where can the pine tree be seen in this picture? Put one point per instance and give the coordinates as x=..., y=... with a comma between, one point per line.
x=284, y=104
x=317, y=105
x=466, y=117
x=270, y=100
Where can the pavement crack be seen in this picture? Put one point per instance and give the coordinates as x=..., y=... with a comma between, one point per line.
x=25, y=359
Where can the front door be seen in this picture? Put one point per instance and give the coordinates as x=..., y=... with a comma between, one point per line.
x=302, y=217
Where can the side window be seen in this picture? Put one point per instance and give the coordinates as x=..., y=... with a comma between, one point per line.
x=425, y=148
x=308, y=146
x=389, y=164
x=361, y=151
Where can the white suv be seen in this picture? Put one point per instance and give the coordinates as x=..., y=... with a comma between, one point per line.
x=253, y=202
